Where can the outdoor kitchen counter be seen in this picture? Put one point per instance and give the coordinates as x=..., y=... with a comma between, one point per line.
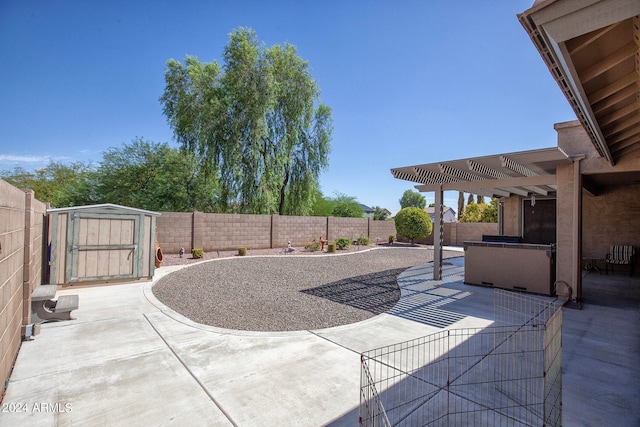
x=521, y=266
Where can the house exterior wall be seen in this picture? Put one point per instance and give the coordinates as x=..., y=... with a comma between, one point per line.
x=22, y=223
x=566, y=258
x=512, y=218
x=610, y=217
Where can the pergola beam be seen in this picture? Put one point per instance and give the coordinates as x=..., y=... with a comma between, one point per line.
x=524, y=181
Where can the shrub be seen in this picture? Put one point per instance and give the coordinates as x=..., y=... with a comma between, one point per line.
x=413, y=223
x=242, y=251
x=331, y=247
x=392, y=238
x=197, y=253
x=313, y=246
x=363, y=240
x=343, y=243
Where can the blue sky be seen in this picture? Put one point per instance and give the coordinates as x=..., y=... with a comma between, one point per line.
x=408, y=82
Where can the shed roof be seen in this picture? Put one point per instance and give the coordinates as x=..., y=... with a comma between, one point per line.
x=501, y=175
x=107, y=207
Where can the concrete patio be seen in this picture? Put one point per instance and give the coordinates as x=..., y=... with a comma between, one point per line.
x=129, y=360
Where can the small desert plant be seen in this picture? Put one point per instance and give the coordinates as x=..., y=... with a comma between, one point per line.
x=342, y=243
x=331, y=247
x=197, y=253
x=313, y=246
x=242, y=251
x=362, y=240
x=392, y=238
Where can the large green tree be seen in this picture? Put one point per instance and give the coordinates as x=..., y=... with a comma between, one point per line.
x=322, y=206
x=60, y=184
x=256, y=122
x=346, y=206
x=412, y=199
x=156, y=177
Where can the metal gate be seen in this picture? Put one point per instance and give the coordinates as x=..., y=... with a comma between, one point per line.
x=507, y=375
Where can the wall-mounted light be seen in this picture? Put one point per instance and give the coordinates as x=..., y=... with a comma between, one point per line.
x=533, y=200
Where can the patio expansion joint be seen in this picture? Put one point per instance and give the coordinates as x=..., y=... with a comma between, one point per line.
x=182, y=362
x=85, y=365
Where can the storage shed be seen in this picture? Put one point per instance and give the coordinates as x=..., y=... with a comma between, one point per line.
x=101, y=243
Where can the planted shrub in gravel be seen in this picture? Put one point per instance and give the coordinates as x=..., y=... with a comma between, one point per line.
x=343, y=243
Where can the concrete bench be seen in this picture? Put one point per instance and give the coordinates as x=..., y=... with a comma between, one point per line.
x=45, y=309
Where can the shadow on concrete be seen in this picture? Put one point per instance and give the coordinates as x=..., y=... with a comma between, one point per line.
x=611, y=290
x=601, y=345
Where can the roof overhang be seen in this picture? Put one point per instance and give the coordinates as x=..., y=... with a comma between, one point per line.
x=105, y=208
x=522, y=173
x=592, y=49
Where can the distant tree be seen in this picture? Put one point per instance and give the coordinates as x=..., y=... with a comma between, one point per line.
x=322, y=206
x=379, y=214
x=470, y=199
x=481, y=212
x=154, y=176
x=460, y=204
x=413, y=223
x=60, y=184
x=255, y=121
x=479, y=199
x=346, y=206
x=412, y=199
x=491, y=212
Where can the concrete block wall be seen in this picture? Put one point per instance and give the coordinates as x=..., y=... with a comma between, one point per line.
x=21, y=260
x=611, y=218
x=174, y=231
x=231, y=231
x=460, y=232
x=34, y=250
x=381, y=230
x=347, y=227
x=300, y=230
x=456, y=233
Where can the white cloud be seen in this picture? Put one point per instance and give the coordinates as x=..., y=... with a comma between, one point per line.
x=13, y=158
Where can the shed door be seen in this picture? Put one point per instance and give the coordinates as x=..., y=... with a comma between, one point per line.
x=103, y=247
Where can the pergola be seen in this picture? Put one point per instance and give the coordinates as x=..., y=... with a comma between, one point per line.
x=592, y=50
x=525, y=173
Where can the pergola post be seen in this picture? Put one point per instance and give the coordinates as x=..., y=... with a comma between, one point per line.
x=576, y=250
x=438, y=235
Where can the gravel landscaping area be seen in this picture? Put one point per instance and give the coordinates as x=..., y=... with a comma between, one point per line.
x=289, y=293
